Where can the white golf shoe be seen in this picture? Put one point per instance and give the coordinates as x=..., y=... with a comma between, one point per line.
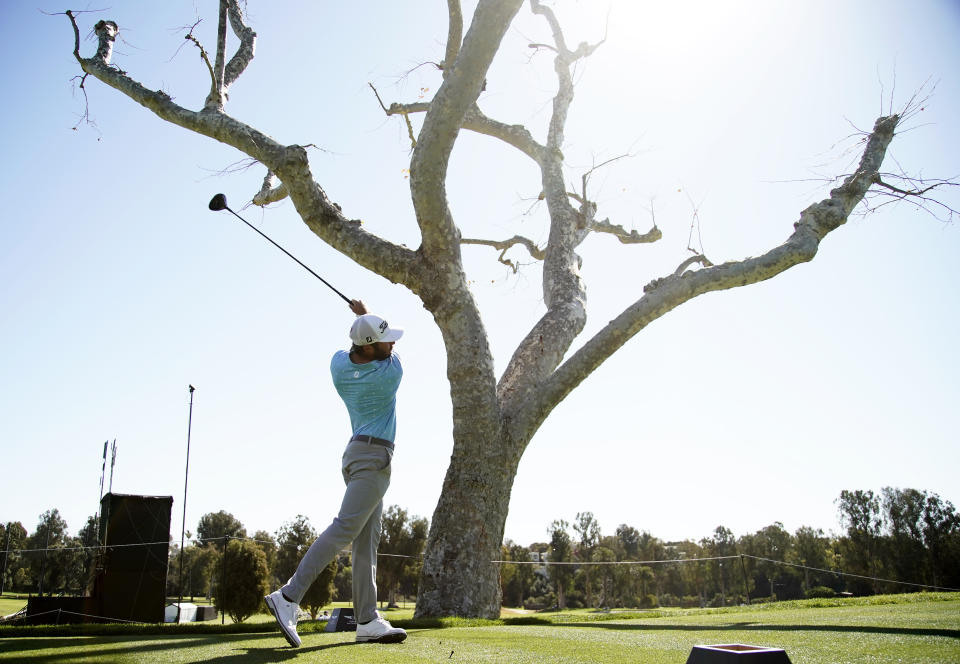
x=286, y=614
x=379, y=630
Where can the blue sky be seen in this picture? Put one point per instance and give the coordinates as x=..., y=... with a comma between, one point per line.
x=118, y=288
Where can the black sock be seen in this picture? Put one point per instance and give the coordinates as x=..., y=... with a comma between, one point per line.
x=287, y=598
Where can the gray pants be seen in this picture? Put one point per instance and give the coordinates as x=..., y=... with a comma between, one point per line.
x=366, y=472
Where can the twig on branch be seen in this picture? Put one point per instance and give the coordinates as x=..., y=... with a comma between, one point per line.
x=206, y=60
x=537, y=47
x=394, y=110
x=584, y=50
x=697, y=258
x=914, y=191
x=627, y=237
x=270, y=192
x=505, y=245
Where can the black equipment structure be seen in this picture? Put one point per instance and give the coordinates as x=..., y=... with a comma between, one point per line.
x=130, y=580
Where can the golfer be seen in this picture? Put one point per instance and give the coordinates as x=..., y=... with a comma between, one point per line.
x=367, y=378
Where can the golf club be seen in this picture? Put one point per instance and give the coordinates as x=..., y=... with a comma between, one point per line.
x=219, y=202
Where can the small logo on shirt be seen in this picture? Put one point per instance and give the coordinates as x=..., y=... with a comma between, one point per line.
x=356, y=374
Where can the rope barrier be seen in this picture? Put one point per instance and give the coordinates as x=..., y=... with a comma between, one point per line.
x=614, y=562
x=855, y=576
x=534, y=562
x=22, y=615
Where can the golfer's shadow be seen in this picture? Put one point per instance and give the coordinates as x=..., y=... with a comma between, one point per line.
x=278, y=654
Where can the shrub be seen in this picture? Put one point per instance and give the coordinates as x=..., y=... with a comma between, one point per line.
x=821, y=591
x=540, y=602
x=321, y=590
x=246, y=580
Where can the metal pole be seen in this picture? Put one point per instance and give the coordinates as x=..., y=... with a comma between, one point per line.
x=103, y=473
x=746, y=586
x=113, y=461
x=223, y=578
x=6, y=550
x=183, y=524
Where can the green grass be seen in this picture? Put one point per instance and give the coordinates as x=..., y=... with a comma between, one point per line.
x=11, y=604
x=922, y=628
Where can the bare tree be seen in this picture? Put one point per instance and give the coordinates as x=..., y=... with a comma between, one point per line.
x=493, y=419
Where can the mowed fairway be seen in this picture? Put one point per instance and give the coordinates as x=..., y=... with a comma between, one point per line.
x=917, y=631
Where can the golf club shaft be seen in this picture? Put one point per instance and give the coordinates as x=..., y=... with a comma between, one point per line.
x=262, y=234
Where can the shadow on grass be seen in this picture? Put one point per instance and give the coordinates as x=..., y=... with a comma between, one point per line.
x=110, y=648
x=770, y=627
x=105, y=648
x=275, y=654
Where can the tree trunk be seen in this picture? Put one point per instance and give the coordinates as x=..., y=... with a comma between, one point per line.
x=458, y=577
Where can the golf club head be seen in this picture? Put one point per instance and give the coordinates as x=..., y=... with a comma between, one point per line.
x=218, y=202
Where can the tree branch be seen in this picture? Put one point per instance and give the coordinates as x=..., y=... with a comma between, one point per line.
x=289, y=163
x=454, y=35
x=270, y=191
x=626, y=237
x=504, y=245
x=227, y=74
x=665, y=294
x=563, y=290
x=206, y=60
x=457, y=94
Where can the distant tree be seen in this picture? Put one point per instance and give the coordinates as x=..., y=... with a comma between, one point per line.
x=14, y=538
x=87, y=537
x=603, y=554
x=860, y=515
x=561, y=550
x=588, y=530
x=204, y=570
x=516, y=579
x=645, y=577
x=46, y=565
x=630, y=541
x=768, y=576
x=721, y=544
x=245, y=580
x=215, y=526
x=173, y=586
x=343, y=580
x=903, y=512
x=320, y=592
x=402, y=539
x=293, y=540
x=268, y=544
x=812, y=550
x=941, y=535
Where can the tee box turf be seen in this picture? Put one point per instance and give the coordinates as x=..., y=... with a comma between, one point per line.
x=737, y=653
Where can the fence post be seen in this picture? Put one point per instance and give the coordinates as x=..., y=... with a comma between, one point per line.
x=6, y=551
x=223, y=578
x=746, y=586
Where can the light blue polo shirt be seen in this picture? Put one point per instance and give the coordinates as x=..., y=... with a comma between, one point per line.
x=369, y=392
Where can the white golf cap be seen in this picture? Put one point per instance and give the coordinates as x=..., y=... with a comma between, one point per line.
x=371, y=329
